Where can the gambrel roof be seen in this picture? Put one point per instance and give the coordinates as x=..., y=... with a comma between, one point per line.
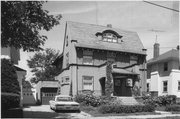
x=85, y=36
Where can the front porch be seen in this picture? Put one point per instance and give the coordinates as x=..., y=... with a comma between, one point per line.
x=122, y=82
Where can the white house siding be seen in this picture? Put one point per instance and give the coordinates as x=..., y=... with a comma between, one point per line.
x=156, y=83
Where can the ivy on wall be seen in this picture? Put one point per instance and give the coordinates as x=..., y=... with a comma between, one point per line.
x=109, y=78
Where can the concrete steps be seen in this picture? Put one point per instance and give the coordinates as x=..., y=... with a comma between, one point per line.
x=127, y=100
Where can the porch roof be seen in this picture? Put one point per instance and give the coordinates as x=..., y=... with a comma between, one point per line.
x=123, y=71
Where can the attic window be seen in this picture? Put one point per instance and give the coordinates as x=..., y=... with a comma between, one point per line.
x=109, y=37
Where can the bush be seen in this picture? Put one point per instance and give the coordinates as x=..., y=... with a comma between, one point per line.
x=9, y=85
x=9, y=101
x=111, y=108
x=9, y=82
x=158, y=101
x=89, y=99
x=172, y=108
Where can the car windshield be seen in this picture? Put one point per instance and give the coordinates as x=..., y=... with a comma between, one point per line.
x=64, y=99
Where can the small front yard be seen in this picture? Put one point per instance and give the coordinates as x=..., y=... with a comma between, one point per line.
x=95, y=113
x=100, y=106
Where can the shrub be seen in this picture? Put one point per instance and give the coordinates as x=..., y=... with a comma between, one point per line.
x=9, y=101
x=9, y=85
x=89, y=99
x=9, y=82
x=172, y=108
x=158, y=101
x=109, y=108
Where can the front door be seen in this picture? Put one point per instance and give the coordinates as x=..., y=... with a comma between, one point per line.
x=120, y=88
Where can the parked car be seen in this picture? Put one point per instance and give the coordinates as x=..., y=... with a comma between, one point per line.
x=64, y=102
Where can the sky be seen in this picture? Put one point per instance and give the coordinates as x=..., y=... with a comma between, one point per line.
x=137, y=16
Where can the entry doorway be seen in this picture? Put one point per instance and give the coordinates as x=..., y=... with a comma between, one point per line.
x=120, y=88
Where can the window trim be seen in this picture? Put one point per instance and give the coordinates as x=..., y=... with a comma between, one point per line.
x=83, y=83
x=87, y=54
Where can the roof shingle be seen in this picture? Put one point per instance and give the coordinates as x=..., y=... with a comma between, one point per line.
x=85, y=36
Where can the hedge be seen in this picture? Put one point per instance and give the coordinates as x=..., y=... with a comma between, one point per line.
x=172, y=108
x=158, y=101
x=9, y=82
x=110, y=108
x=9, y=85
x=9, y=101
x=89, y=99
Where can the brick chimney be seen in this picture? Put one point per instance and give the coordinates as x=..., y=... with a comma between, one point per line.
x=156, y=50
x=109, y=25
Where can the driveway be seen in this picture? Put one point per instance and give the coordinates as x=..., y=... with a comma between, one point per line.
x=44, y=111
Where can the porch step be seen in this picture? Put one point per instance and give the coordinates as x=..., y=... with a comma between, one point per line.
x=127, y=100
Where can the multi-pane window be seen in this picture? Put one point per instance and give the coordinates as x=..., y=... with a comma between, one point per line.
x=87, y=57
x=178, y=85
x=111, y=56
x=165, y=86
x=165, y=66
x=87, y=83
x=133, y=59
x=67, y=79
x=109, y=37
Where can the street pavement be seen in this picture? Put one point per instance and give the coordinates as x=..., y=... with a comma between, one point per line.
x=44, y=111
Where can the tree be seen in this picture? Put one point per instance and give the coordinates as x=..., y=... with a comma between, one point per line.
x=21, y=22
x=41, y=65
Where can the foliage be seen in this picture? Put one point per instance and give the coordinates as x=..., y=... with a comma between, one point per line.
x=118, y=108
x=108, y=83
x=41, y=66
x=158, y=101
x=136, y=90
x=9, y=101
x=21, y=22
x=172, y=108
x=9, y=82
x=89, y=99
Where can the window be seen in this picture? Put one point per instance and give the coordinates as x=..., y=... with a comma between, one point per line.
x=178, y=85
x=133, y=59
x=165, y=66
x=109, y=37
x=111, y=56
x=87, y=83
x=67, y=79
x=165, y=86
x=147, y=87
x=88, y=57
x=67, y=59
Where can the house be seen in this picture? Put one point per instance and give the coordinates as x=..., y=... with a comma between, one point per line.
x=45, y=91
x=29, y=93
x=14, y=55
x=87, y=50
x=163, y=73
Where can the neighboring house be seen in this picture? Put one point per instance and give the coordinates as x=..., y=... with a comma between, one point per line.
x=29, y=93
x=45, y=91
x=14, y=55
x=86, y=50
x=163, y=73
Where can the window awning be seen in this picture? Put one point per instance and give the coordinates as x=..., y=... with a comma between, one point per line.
x=123, y=71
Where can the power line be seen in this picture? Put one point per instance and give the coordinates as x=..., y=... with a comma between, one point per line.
x=161, y=6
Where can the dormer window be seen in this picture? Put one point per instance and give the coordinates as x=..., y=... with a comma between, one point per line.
x=109, y=37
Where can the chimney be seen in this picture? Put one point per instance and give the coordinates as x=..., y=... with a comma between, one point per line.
x=109, y=25
x=156, y=50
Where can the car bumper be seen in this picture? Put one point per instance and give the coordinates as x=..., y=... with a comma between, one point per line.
x=67, y=108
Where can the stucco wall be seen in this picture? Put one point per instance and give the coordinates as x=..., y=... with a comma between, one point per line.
x=156, y=83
